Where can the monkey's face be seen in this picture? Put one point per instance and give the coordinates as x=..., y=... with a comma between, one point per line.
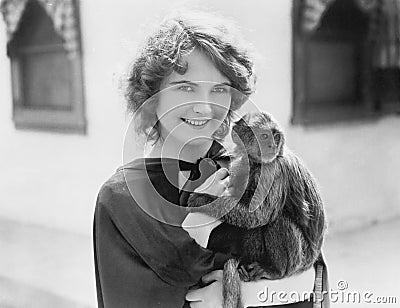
x=259, y=136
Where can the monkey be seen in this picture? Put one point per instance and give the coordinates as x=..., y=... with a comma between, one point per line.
x=275, y=202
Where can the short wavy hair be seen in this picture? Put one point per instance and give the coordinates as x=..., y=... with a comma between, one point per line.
x=162, y=53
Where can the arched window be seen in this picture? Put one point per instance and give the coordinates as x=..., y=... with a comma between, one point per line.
x=45, y=54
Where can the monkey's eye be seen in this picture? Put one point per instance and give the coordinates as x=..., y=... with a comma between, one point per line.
x=277, y=138
x=265, y=136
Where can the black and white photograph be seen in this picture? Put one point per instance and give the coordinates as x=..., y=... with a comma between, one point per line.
x=199, y=153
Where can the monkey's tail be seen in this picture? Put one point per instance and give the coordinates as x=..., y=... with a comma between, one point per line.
x=231, y=285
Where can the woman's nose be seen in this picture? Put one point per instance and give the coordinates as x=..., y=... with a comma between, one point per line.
x=202, y=108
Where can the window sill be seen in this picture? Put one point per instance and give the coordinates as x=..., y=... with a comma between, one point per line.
x=61, y=121
x=334, y=115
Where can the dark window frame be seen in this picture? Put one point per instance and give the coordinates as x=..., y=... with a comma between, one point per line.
x=67, y=120
x=302, y=112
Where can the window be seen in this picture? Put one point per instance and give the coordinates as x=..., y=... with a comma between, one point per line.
x=388, y=89
x=336, y=73
x=46, y=70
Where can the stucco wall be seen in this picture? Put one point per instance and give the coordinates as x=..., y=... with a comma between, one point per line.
x=52, y=179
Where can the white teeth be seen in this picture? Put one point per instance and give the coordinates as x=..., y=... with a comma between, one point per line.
x=196, y=122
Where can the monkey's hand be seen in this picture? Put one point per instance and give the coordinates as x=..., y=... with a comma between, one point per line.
x=230, y=210
x=251, y=272
x=197, y=200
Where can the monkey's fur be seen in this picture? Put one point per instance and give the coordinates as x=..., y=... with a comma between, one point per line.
x=274, y=200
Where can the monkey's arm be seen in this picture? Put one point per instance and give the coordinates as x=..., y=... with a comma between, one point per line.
x=211, y=205
x=280, y=248
x=231, y=210
x=197, y=200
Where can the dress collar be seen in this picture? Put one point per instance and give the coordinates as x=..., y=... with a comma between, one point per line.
x=216, y=152
x=163, y=172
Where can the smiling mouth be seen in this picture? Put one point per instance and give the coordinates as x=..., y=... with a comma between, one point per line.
x=197, y=123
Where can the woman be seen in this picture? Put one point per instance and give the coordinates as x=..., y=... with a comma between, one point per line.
x=184, y=86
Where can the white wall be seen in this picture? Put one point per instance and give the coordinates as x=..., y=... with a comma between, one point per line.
x=52, y=179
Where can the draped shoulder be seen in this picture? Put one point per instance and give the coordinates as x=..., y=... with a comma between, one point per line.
x=143, y=258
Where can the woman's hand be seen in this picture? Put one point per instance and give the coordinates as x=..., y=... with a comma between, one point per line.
x=209, y=296
x=258, y=293
x=284, y=291
x=215, y=184
x=199, y=227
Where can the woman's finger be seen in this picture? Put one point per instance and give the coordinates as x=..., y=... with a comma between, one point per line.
x=214, y=178
x=221, y=186
x=225, y=182
x=221, y=173
x=195, y=304
x=213, y=276
x=216, y=183
x=194, y=295
x=207, y=297
x=218, y=175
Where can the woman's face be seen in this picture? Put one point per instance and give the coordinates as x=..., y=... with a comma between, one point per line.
x=192, y=106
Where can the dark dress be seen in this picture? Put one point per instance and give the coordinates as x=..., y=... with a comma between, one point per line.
x=143, y=258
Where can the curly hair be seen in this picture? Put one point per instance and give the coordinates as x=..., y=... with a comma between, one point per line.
x=162, y=54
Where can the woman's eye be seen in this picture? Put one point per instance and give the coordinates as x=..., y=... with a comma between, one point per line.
x=220, y=90
x=186, y=88
x=265, y=136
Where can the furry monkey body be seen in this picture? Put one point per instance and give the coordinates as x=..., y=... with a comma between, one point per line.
x=275, y=201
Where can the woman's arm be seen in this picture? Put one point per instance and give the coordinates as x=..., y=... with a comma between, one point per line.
x=139, y=261
x=168, y=250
